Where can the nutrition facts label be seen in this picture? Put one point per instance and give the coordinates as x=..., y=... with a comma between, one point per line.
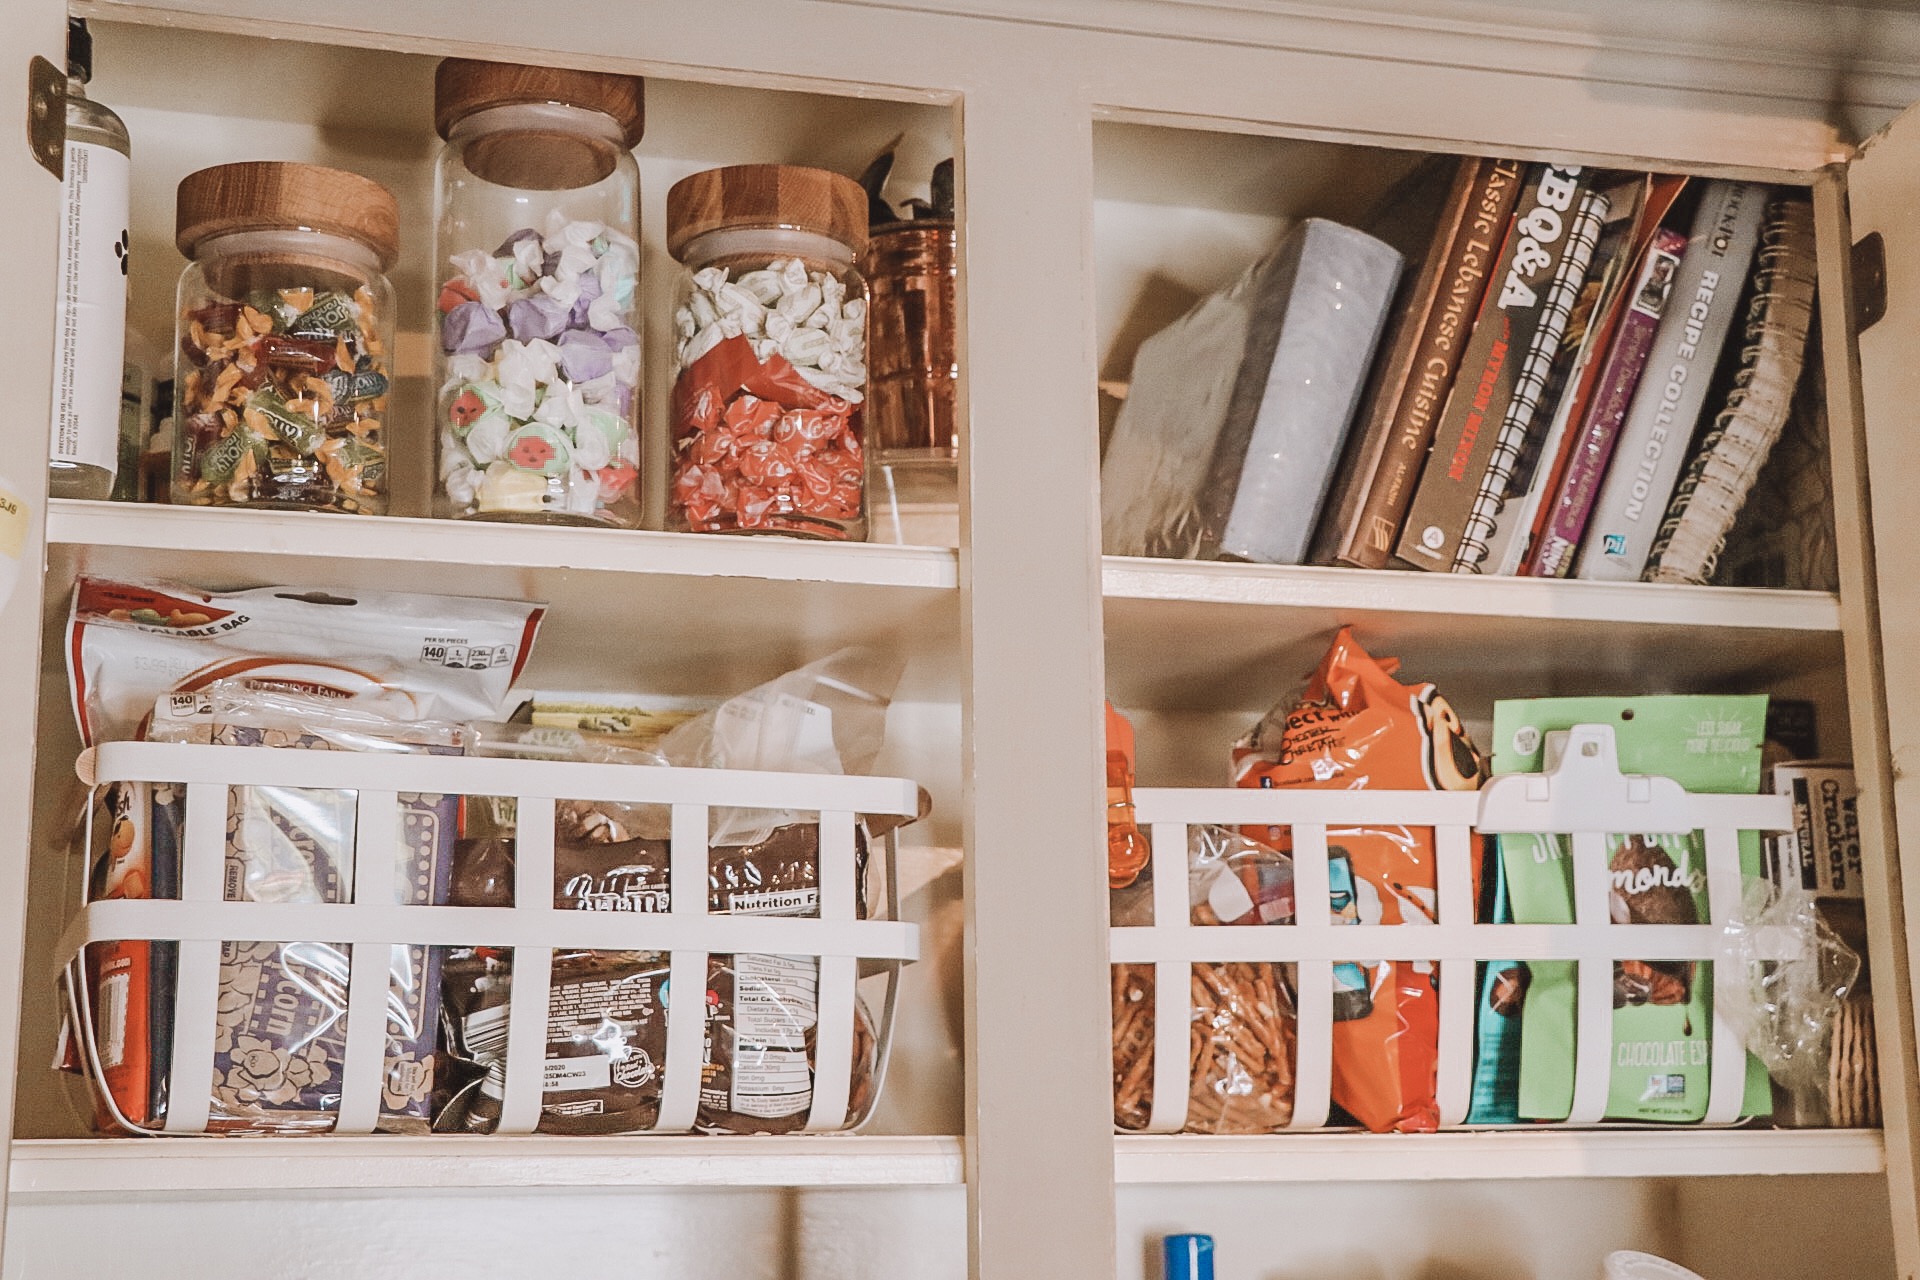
x=471, y=657
x=774, y=1003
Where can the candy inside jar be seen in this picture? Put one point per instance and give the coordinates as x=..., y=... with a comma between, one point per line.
x=770, y=367
x=543, y=368
x=536, y=306
x=282, y=384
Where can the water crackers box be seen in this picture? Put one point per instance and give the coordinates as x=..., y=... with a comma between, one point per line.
x=1822, y=852
x=1662, y=1009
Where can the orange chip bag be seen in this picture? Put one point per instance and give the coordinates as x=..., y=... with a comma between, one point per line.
x=1127, y=850
x=1355, y=727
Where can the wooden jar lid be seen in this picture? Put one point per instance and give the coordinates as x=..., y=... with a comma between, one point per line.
x=767, y=195
x=275, y=195
x=462, y=86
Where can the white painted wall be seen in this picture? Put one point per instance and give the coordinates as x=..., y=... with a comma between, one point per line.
x=1383, y=1231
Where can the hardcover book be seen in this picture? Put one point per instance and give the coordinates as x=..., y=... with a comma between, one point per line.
x=1656, y=196
x=1512, y=312
x=1667, y=406
x=1568, y=385
x=1592, y=449
x=1390, y=440
x=1523, y=411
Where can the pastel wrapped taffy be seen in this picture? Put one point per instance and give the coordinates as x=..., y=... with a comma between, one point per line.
x=540, y=344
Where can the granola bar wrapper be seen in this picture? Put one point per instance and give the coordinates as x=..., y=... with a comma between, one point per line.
x=280, y=1036
x=1356, y=727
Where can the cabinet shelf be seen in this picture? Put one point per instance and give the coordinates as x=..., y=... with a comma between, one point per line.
x=1243, y=632
x=1453, y=595
x=1502, y=1154
x=63, y=1167
x=673, y=613
x=60, y=1167
x=118, y=532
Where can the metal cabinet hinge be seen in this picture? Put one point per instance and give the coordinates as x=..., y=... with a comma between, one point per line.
x=47, y=115
x=1869, y=281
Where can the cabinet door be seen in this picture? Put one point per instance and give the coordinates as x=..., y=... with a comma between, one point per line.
x=28, y=228
x=1869, y=235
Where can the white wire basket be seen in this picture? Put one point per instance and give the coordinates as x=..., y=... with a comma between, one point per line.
x=1584, y=798
x=372, y=923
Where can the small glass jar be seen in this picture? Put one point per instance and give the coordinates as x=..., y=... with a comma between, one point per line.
x=281, y=380
x=537, y=258
x=770, y=367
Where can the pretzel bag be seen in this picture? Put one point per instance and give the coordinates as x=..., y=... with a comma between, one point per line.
x=1240, y=1037
x=1356, y=727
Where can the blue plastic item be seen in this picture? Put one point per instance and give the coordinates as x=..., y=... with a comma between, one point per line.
x=1188, y=1257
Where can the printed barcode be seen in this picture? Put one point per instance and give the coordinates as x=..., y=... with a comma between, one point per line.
x=110, y=1020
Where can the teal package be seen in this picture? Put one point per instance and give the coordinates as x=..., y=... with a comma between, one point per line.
x=1503, y=986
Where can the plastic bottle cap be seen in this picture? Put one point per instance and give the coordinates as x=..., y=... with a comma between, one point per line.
x=1188, y=1257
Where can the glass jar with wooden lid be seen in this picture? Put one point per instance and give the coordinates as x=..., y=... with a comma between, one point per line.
x=770, y=358
x=285, y=317
x=536, y=265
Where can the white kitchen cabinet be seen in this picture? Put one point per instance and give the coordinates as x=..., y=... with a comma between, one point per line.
x=1116, y=156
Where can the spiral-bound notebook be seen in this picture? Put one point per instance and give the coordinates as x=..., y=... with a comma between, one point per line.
x=1511, y=315
x=1524, y=409
x=1651, y=451
x=1784, y=536
x=1728, y=459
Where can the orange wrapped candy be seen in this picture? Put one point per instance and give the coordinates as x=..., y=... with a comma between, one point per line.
x=1356, y=727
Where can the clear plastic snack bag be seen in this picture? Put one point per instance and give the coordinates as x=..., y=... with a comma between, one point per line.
x=1797, y=971
x=1240, y=1058
x=280, y=1036
x=829, y=716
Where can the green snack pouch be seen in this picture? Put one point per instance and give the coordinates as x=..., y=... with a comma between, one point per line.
x=1663, y=1010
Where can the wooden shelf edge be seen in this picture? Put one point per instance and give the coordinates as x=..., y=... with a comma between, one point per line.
x=1138, y=578
x=454, y=542
x=1496, y=1155
x=54, y=1168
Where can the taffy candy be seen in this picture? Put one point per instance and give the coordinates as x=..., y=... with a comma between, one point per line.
x=283, y=402
x=766, y=404
x=542, y=370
